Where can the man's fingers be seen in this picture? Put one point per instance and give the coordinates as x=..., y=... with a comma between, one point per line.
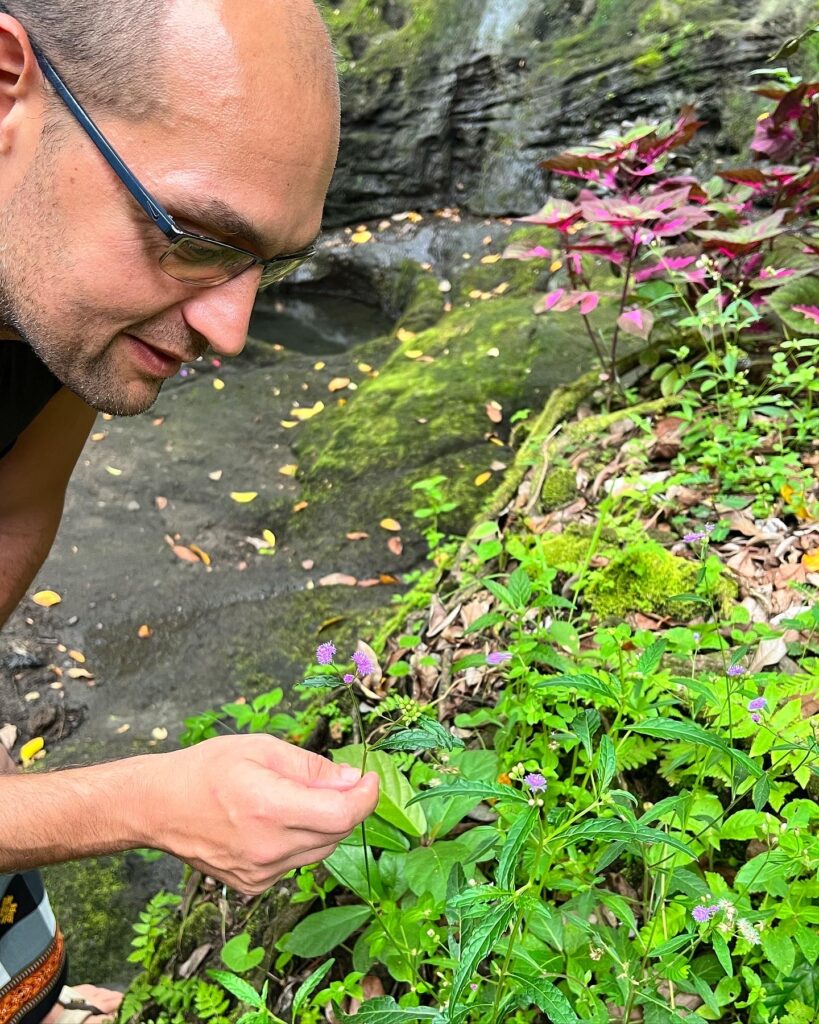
x=309, y=769
x=326, y=811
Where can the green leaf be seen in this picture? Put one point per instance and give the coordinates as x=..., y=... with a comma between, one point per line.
x=585, y=684
x=617, y=830
x=606, y=762
x=238, y=987
x=767, y=872
x=348, y=865
x=428, y=868
x=237, y=955
x=491, y=927
x=516, y=838
x=379, y=834
x=479, y=790
x=801, y=291
x=585, y=725
x=651, y=657
x=762, y=792
x=690, y=732
x=443, y=815
x=428, y=734
x=385, y=1010
x=396, y=793
x=723, y=955
x=323, y=931
x=779, y=949
x=308, y=986
x=547, y=997
x=319, y=682
x=672, y=945
x=520, y=588
x=499, y=591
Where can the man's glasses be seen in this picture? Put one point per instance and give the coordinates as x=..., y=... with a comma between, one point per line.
x=191, y=258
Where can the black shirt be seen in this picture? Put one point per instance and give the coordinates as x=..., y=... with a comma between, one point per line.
x=26, y=385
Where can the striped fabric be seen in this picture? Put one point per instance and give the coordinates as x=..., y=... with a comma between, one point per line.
x=32, y=956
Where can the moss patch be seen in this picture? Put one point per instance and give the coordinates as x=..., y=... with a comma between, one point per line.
x=559, y=488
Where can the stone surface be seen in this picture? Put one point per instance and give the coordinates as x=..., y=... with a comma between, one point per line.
x=456, y=101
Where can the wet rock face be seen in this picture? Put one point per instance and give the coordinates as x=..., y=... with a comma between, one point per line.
x=457, y=103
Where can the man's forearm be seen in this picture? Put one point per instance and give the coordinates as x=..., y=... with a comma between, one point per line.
x=51, y=817
x=24, y=546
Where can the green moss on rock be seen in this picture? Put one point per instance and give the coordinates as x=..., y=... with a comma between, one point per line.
x=559, y=488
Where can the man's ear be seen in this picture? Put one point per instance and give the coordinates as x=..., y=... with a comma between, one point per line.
x=19, y=73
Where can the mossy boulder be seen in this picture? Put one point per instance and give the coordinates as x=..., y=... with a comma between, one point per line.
x=559, y=488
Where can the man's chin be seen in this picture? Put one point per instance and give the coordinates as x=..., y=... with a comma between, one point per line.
x=132, y=400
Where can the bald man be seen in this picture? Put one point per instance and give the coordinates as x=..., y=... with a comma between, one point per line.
x=160, y=161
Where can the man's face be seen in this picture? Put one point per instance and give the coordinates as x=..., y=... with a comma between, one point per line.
x=246, y=125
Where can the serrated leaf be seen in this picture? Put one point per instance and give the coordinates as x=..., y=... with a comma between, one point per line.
x=480, y=790
x=516, y=838
x=309, y=985
x=237, y=987
x=520, y=587
x=606, y=762
x=547, y=997
x=681, y=729
x=586, y=685
x=499, y=591
x=481, y=940
x=720, y=947
x=385, y=1010
x=316, y=682
x=651, y=657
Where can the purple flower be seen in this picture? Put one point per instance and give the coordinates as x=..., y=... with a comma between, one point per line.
x=702, y=914
x=535, y=781
x=736, y=670
x=349, y=678
x=363, y=663
x=498, y=657
x=757, y=704
x=324, y=654
x=692, y=538
x=756, y=718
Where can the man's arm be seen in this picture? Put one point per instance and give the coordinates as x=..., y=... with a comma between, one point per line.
x=33, y=479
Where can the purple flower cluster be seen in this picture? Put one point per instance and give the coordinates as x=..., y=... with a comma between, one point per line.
x=693, y=538
x=535, y=781
x=756, y=705
x=498, y=657
x=363, y=663
x=736, y=670
x=702, y=914
x=325, y=654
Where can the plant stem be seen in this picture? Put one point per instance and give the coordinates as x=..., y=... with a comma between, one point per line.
x=360, y=727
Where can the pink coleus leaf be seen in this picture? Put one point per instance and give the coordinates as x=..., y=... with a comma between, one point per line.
x=557, y=213
x=589, y=302
x=525, y=252
x=550, y=301
x=667, y=263
x=811, y=312
x=637, y=322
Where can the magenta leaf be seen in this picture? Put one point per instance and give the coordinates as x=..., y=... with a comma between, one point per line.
x=589, y=302
x=637, y=322
x=525, y=252
x=811, y=312
x=557, y=213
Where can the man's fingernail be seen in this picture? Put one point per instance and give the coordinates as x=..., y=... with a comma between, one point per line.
x=350, y=774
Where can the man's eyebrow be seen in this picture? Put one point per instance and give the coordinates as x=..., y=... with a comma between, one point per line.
x=212, y=214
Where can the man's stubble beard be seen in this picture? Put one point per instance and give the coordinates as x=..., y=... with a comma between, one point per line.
x=92, y=377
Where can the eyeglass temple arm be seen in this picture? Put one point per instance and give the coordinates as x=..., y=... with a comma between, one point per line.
x=155, y=211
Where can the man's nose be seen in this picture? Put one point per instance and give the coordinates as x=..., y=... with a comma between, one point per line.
x=221, y=314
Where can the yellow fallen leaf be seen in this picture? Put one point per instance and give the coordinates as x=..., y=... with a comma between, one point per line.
x=218, y=384
x=46, y=598
x=107, y=416
x=289, y=424
x=202, y=555
x=390, y=524
x=502, y=288
x=810, y=560
x=289, y=470
x=555, y=266
x=414, y=353
x=404, y=335
x=338, y=384
x=159, y=733
x=482, y=478
x=319, y=365
x=77, y=656
x=307, y=413
x=144, y=632
x=491, y=259
x=79, y=673
x=185, y=554
x=360, y=237
x=112, y=471
x=123, y=728
x=243, y=497
x=28, y=750
x=300, y=506
x=493, y=353
x=99, y=436
x=476, y=293
x=365, y=368
x=270, y=537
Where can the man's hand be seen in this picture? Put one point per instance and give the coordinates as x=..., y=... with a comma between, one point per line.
x=248, y=809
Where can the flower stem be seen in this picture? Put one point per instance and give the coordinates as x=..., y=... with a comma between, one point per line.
x=360, y=726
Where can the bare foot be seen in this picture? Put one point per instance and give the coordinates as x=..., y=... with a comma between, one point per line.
x=104, y=999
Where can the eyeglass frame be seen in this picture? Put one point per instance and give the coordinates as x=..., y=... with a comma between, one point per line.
x=151, y=206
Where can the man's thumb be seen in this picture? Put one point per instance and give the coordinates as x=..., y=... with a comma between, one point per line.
x=325, y=774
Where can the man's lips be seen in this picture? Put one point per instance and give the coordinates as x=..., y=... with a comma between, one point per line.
x=172, y=356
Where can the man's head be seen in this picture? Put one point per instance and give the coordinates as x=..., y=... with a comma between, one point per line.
x=215, y=105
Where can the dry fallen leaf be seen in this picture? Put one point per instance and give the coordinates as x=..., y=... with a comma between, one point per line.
x=482, y=478
x=243, y=497
x=158, y=421
x=404, y=335
x=413, y=353
x=202, y=555
x=357, y=535
x=319, y=365
x=28, y=750
x=46, y=598
x=77, y=656
x=79, y=673
x=360, y=237
x=8, y=736
x=491, y=259
x=810, y=560
x=338, y=384
x=218, y=384
x=308, y=413
x=160, y=502
x=337, y=579
x=494, y=410
x=307, y=564
x=113, y=471
x=144, y=632
x=289, y=424
x=159, y=733
x=493, y=353
x=185, y=554
x=365, y=368
x=289, y=470
x=300, y=506
x=99, y=436
x=215, y=475
x=123, y=728
x=395, y=544
x=390, y=524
